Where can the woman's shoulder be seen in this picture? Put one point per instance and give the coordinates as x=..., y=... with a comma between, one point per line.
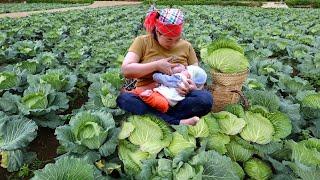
x=184, y=44
x=145, y=37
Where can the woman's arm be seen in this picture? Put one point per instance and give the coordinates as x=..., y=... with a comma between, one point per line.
x=131, y=68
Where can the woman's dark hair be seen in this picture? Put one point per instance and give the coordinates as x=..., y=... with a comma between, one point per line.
x=154, y=34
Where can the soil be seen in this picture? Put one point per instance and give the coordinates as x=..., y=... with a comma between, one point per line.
x=45, y=145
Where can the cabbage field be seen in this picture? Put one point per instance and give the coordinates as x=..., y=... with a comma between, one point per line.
x=60, y=76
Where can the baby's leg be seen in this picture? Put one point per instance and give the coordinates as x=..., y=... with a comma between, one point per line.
x=156, y=101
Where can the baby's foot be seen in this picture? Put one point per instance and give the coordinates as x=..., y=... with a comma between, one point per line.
x=146, y=93
x=190, y=121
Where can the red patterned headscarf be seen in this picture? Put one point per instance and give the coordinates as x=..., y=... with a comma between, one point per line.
x=168, y=22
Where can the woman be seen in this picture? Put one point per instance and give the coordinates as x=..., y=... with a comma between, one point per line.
x=160, y=51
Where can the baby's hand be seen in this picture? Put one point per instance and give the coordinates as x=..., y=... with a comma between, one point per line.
x=146, y=93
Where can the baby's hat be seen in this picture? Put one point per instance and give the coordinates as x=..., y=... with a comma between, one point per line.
x=198, y=75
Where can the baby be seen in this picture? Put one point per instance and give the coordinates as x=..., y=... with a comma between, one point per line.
x=166, y=94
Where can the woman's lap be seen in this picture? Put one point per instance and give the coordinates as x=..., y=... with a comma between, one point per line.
x=196, y=103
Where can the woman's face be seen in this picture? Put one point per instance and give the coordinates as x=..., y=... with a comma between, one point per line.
x=167, y=42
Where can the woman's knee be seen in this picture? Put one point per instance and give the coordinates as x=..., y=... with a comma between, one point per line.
x=204, y=98
x=131, y=103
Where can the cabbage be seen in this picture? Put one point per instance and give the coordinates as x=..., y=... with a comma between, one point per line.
x=257, y=169
x=227, y=61
x=150, y=133
x=258, y=129
x=89, y=130
x=131, y=157
x=266, y=99
x=238, y=169
x=42, y=99
x=126, y=130
x=235, y=109
x=212, y=123
x=225, y=56
x=104, y=89
x=239, y=151
x=66, y=168
x=8, y=80
x=293, y=85
x=30, y=66
x=281, y=124
x=229, y=123
x=216, y=166
x=16, y=132
x=306, y=152
x=199, y=130
x=217, y=142
x=180, y=143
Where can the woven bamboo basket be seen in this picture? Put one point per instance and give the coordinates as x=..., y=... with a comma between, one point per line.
x=225, y=87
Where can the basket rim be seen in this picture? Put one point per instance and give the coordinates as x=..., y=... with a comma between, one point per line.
x=230, y=74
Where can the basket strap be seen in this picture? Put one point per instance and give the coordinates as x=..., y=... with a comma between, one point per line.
x=244, y=99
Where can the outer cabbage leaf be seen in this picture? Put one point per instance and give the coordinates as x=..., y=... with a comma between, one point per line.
x=8, y=80
x=226, y=60
x=281, y=124
x=257, y=169
x=305, y=152
x=42, y=99
x=235, y=109
x=66, y=168
x=217, y=142
x=11, y=160
x=293, y=112
x=150, y=133
x=258, y=129
x=8, y=103
x=239, y=152
x=131, y=157
x=216, y=166
x=212, y=123
x=59, y=79
x=239, y=170
x=105, y=88
x=16, y=132
x=180, y=143
x=126, y=130
x=199, y=130
x=264, y=98
x=229, y=123
x=293, y=85
x=305, y=172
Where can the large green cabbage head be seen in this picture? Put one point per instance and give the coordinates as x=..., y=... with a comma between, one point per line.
x=91, y=128
x=225, y=56
x=148, y=132
x=229, y=123
x=258, y=129
x=41, y=99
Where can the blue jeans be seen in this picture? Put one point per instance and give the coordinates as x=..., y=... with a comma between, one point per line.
x=196, y=103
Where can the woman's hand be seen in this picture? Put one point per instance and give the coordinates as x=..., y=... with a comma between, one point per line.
x=186, y=86
x=164, y=65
